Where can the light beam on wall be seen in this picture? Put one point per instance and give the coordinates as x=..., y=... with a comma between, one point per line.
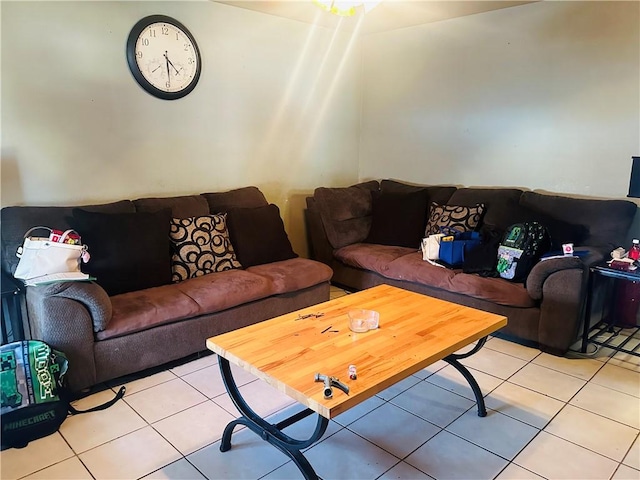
x=278, y=118
x=314, y=87
x=320, y=114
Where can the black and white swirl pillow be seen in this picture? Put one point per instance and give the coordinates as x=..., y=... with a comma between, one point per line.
x=463, y=219
x=201, y=245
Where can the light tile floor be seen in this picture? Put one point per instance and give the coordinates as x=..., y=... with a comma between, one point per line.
x=548, y=417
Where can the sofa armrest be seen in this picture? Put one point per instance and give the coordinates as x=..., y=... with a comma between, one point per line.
x=65, y=315
x=560, y=285
x=544, y=269
x=319, y=247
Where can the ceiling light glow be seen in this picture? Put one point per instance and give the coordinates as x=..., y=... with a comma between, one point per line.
x=346, y=8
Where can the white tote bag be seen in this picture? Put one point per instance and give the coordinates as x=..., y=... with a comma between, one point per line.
x=431, y=247
x=41, y=256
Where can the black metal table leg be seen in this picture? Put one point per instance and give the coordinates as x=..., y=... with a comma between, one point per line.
x=453, y=361
x=587, y=314
x=271, y=433
x=596, y=334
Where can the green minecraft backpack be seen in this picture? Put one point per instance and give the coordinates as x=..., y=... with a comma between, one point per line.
x=520, y=249
x=35, y=401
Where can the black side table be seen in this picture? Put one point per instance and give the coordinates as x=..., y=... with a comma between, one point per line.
x=11, y=322
x=591, y=334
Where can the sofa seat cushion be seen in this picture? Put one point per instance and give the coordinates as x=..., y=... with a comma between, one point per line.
x=496, y=290
x=371, y=256
x=293, y=274
x=411, y=268
x=144, y=309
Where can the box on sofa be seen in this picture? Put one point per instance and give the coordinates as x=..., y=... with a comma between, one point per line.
x=168, y=277
x=366, y=245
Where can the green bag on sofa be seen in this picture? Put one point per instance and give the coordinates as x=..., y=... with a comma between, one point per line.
x=520, y=249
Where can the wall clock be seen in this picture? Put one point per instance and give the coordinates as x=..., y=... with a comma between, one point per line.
x=163, y=57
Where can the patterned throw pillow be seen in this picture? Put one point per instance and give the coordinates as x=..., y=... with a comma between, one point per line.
x=461, y=218
x=201, y=246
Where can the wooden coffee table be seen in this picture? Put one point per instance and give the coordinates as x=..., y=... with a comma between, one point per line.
x=288, y=351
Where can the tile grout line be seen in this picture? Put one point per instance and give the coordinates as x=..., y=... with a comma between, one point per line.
x=503, y=381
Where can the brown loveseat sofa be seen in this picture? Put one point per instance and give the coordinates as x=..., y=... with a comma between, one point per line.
x=139, y=318
x=545, y=310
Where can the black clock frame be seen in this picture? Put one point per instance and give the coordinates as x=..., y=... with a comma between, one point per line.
x=135, y=69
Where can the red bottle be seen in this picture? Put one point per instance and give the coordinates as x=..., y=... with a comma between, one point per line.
x=634, y=251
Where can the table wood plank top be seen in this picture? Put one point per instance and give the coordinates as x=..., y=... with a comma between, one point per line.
x=415, y=331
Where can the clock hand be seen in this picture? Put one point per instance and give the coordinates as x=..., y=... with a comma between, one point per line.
x=168, y=73
x=177, y=71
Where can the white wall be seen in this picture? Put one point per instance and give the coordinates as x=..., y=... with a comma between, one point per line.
x=269, y=109
x=543, y=96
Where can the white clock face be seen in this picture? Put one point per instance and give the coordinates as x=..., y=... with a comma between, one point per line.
x=166, y=60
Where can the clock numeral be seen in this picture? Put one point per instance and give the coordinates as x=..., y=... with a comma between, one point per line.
x=190, y=61
x=138, y=54
x=165, y=31
x=168, y=84
x=145, y=42
x=152, y=33
x=186, y=47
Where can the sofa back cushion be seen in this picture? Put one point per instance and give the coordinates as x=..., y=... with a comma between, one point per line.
x=17, y=220
x=608, y=221
x=494, y=199
x=187, y=206
x=435, y=193
x=346, y=212
x=398, y=218
x=246, y=197
x=561, y=232
x=258, y=235
x=129, y=251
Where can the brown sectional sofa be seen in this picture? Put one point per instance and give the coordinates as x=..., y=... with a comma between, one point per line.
x=546, y=310
x=105, y=337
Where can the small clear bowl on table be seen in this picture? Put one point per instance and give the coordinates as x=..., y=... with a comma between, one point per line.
x=361, y=320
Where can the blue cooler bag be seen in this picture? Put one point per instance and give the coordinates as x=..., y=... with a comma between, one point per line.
x=452, y=252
